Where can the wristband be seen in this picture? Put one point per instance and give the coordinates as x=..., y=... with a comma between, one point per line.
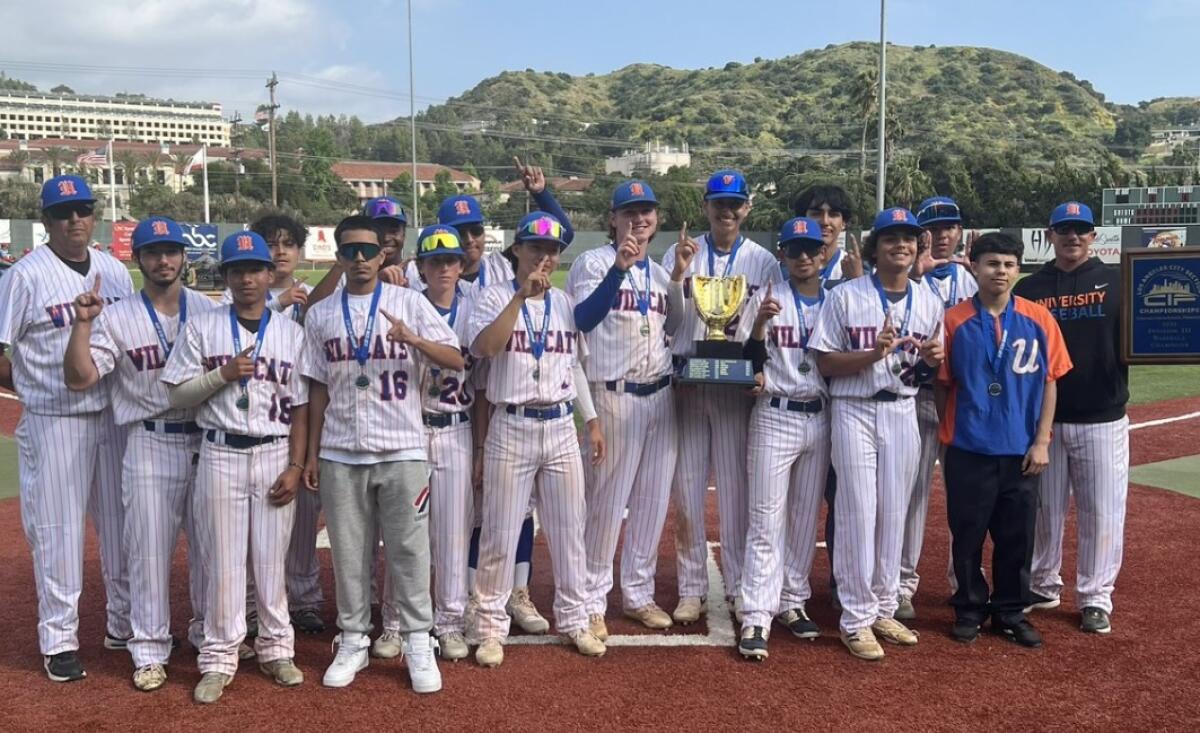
x=293, y=464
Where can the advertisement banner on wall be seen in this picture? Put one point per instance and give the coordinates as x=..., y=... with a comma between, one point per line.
x=1039, y=250
x=201, y=240
x=493, y=240
x=319, y=246
x=1164, y=237
x=1107, y=245
x=122, y=240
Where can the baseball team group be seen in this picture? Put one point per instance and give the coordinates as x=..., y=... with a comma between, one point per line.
x=426, y=403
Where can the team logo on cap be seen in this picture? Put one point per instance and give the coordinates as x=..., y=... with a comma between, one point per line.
x=160, y=228
x=898, y=215
x=727, y=179
x=245, y=243
x=800, y=227
x=1073, y=209
x=461, y=207
x=67, y=188
x=636, y=189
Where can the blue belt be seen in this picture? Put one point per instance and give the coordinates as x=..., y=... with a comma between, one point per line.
x=542, y=413
x=641, y=389
x=884, y=395
x=812, y=407
x=171, y=428
x=241, y=442
x=444, y=419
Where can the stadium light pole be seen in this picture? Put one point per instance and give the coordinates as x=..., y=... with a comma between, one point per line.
x=881, y=179
x=412, y=120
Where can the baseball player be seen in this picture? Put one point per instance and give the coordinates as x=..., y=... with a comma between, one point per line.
x=997, y=389
x=367, y=448
x=622, y=305
x=448, y=401
x=789, y=443
x=878, y=337
x=949, y=277
x=527, y=329
x=831, y=206
x=713, y=420
x=69, y=448
x=1089, y=456
x=242, y=368
x=392, y=225
x=133, y=338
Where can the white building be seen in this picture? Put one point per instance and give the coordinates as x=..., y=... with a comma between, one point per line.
x=1175, y=135
x=371, y=178
x=36, y=115
x=654, y=158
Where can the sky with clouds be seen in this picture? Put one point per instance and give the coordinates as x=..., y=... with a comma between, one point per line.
x=352, y=57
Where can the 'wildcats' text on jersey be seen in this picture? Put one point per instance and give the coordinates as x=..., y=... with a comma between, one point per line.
x=791, y=369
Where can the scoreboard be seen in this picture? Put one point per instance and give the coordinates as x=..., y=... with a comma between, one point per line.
x=1160, y=206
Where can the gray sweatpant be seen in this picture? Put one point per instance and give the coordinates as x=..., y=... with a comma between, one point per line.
x=395, y=496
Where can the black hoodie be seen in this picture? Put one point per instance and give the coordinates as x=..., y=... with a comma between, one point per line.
x=1086, y=302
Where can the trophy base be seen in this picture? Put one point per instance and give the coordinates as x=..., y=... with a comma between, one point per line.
x=717, y=362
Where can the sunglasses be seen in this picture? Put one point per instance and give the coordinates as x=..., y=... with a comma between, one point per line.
x=385, y=208
x=473, y=230
x=542, y=227
x=62, y=212
x=1078, y=227
x=351, y=250
x=939, y=211
x=440, y=240
x=794, y=251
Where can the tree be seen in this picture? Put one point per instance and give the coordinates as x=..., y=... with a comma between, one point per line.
x=864, y=100
x=20, y=200
x=62, y=89
x=58, y=158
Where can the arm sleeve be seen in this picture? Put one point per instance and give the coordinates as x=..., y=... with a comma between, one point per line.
x=756, y=352
x=591, y=310
x=547, y=203
x=194, y=391
x=583, y=394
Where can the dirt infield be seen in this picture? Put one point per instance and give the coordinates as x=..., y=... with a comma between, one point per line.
x=1138, y=678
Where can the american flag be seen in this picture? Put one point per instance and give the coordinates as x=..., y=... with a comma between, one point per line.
x=99, y=156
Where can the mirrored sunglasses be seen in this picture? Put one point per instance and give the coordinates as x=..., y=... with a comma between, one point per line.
x=351, y=250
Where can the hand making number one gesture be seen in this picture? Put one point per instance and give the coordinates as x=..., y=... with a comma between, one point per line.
x=88, y=304
x=685, y=250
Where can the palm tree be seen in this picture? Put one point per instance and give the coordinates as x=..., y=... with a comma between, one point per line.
x=908, y=182
x=130, y=162
x=864, y=100
x=58, y=157
x=19, y=158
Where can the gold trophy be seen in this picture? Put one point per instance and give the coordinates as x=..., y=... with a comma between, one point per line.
x=718, y=360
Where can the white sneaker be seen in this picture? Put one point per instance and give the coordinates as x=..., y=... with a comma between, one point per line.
x=422, y=665
x=387, y=646
x=351, y=657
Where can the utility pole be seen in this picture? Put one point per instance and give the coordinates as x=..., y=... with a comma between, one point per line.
x=271, y=84
x=412, y=120
x=236, y=151
x=881, y=180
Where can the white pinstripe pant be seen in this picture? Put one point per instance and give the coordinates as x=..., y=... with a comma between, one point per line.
x=157, y=479
x=69, y=465
x=918, y=502
x=789, y=458
x=452, y=509
x=234, y=519
x=1091, y=461
x=303, y=569
x=713, y=421
x=641, y=439
x=521, y=454
x=875, y=447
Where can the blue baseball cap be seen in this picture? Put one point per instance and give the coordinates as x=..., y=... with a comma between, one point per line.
x=439, y=239
x=631, y=192
x=896, y=217
x=157, y=230
x=66, y=190
x=1072, y=211
x=938, y=210
x=385, y=207
x=460, y=210
x=246, y=247
x=538, y=226
x=727, y=184
x=803, y=231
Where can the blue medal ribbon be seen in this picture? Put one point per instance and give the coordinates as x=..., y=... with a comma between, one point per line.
x=537, y=346
x=712, y=256
x=887, y=305
x=258, y=338
x=939, y=274
x=643, y=298
x=997, y=361
x=363, y=348
x=482, y=276
x=162, y=335
x=805, y=331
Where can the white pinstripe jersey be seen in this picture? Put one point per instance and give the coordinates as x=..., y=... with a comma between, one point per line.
x=785, y=334
x=850, y=320
x=124, y=341
x=510, y=373
x=295, y=310
x=617, y=347
x=37, y=308
x=385, y=417
x=276, y=387
x=455, y=390
x=960, y=283
x=757, y=264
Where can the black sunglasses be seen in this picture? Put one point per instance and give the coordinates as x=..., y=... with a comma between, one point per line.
x=62, y=212
x=793, y=251
x=475, y=230
x=1078, y=227
x=350, y=250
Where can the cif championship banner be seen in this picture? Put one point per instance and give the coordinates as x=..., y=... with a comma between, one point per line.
x=319, y=246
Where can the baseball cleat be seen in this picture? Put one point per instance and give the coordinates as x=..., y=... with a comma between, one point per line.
x=63, y=667
x=150, y=678
x=586, y=643
x=283, y=671
x=689, y=610
x=894, y=632
x=387, y=646
x=308, y=621
x=862, y=644
x=905, y=610
x=210, y=687
x=1095, y=621
x=452, y=646
x=117, y=643
x=1041, y=603
x=649, y=615
x=597, y=626
x=753, y=644
x=246, y=652
x=524, y=613
x=490, y=653
x=797, y=621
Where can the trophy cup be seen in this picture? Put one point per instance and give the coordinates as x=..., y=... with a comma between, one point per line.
x=718, y=360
